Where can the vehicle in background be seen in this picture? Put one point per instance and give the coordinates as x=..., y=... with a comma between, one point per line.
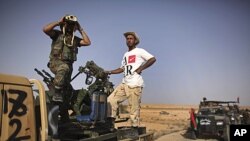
x=214, y=118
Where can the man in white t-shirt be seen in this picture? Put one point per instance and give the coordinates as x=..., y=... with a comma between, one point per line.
x=134, y=61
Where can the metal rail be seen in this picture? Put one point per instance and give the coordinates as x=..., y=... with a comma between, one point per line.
x=43, y=109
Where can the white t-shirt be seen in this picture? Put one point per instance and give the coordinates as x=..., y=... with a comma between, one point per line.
x=131, y=61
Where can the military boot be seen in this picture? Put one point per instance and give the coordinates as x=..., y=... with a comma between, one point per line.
x=111, y=123
x=134, y=123
x=76, y=108
x=79, y=100
x=57, y=96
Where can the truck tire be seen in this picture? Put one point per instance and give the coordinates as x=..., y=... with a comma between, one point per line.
x=193, y=135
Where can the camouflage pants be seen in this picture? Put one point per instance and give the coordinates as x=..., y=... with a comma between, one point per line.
x=62, y=71
x=122, y=93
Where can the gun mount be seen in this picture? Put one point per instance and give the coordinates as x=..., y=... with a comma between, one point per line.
x=37, y=120
x=90, y=120
x=102, y=83
x=92, y=70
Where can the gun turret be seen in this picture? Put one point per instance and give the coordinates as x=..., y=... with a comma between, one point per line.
x=91, y=69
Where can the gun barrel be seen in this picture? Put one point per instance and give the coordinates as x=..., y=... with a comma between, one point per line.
x=39, y=72
x=36, y=70
x=47, y=74
x=46, y=80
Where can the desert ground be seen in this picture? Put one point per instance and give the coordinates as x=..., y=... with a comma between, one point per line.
x=167, y=122
x=162, y=119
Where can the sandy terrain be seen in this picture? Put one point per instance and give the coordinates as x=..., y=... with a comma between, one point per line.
x=163, y=119
x=168, y=122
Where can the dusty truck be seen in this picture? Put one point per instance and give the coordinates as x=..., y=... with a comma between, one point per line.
x=28, y=114
x=214, y=118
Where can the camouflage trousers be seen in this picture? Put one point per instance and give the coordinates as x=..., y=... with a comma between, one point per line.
x=62, y=71
x=121, y=93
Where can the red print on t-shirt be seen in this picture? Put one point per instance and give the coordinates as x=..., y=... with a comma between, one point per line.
x=131, y=59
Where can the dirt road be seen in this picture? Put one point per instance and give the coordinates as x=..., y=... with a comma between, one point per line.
x=179, y=136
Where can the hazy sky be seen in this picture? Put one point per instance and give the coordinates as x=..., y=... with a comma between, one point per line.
x=202, y=47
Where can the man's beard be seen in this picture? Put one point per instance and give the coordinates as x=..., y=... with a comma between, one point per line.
x=69, y=30
x=130, y=45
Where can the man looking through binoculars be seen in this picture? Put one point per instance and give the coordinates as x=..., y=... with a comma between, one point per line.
x=64, y=49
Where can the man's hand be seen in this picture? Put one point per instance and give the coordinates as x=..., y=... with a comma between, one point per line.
x=61, y=21
x=150, y=62
x=78, y=26
x=48, y=29
x=107, y=72
x=116, y=71
x=85, y=39
x=138, y=71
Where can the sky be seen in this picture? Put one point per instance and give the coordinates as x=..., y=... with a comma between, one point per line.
x=202, y=47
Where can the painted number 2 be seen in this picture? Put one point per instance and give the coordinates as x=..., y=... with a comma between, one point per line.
x=18, y=109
